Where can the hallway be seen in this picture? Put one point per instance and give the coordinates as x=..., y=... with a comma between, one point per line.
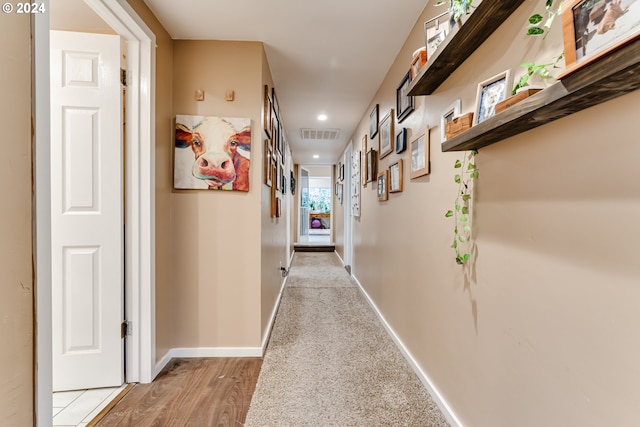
x=329, y=362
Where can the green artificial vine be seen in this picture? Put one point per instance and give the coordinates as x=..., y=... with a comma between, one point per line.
x=461, y=213
x=537, y=28
x=533, y=68
x=457, y=7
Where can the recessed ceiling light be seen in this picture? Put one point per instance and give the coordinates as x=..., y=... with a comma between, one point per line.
x=315, y=156
x=322, y=117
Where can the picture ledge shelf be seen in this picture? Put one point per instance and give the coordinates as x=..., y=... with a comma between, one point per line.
x=460, y=43
x=608, y=78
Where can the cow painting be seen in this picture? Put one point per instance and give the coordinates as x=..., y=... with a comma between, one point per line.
x=212, y=153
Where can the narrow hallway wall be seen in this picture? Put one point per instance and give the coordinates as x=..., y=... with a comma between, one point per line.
x=16, y=265
x=541, y=328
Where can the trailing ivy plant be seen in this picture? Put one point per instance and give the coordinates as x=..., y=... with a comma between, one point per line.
x=461, y=213
x=535, y=20
x=541, y=69
x=538, y=28
x=457, y=8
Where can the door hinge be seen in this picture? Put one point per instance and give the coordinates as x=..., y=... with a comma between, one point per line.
x=123, y=77
x=126, y=329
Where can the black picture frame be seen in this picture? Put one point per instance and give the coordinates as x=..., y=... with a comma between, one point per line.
x=373, y=121
x=404, y=102
x=401, y=141
x=292, y=179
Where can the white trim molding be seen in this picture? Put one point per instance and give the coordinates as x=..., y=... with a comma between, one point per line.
x=202, y=352
x=140, y=169
x=267, y=332
x=424, y=378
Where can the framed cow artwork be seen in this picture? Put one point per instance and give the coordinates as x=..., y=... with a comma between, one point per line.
x=212, y=153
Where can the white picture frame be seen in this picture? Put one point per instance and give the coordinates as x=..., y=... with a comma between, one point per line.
x=491, y=92
x=448, y=114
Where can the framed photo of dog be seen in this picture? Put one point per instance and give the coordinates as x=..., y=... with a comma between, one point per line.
x=592, y=30
x=490, y=92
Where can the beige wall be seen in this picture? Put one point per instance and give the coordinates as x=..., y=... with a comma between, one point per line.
x=16, y=266
x=542, y=328
x=167, y=292
x=273, y=230
x=216, y=234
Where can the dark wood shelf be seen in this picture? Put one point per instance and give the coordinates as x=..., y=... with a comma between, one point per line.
x=460, y=43
x=608, y=78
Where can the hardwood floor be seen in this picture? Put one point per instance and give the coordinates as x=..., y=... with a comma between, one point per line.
x=190, y=392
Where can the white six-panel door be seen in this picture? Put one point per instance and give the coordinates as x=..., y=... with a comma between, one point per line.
x=86, y=211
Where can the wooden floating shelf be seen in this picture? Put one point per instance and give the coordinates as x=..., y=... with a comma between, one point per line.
x=460, y=43
x=610, y=77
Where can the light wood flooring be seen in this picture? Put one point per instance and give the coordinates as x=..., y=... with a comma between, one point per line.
x=190, y=392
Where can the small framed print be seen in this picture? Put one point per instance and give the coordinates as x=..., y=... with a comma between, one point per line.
x=395, y=177
x=401, y=141
x=268, y=155
x=490, y=92
x=372, y=165
x=386, y=135
x=451, y=112
x=266, y=113
x=435, y=32
x=383, y=185
x=373, y=121
x=364, y=162
x=404, y=102
x=420, y=155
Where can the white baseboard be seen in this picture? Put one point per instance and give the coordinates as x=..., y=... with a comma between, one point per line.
x=206, y=352
x=226, y=351
x=272, y=319
x=435, y=395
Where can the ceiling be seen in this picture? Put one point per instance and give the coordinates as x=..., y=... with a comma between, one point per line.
x=326, y=57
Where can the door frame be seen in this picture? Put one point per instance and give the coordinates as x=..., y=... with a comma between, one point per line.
x=140, y=198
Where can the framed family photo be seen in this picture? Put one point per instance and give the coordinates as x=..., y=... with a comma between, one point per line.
x=373, y=121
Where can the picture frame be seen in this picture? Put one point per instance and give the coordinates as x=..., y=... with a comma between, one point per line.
x=383, y=185
x=364, y=161
x=435, y=32
x=614, y=25
x=274, y=100
x=339, y=192
x=339, y=171
x=385, y=135
x=449, y=113
x=373, y=121
x=342, y=172
x=395, y=177
x=268, y=155
x=266, y=112
x=274, y=131
x=419, y=60
x=491, y=92
x=279, y=172
x=372, y=160
x=292, y=184
x=401, y=140
x=210, y=134
x=420, y=164
x=356, y=177
x=404, y=102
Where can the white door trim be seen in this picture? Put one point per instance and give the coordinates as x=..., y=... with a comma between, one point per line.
x=140, y=197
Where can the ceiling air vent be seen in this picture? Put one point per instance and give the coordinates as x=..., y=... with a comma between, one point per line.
x=324, y=134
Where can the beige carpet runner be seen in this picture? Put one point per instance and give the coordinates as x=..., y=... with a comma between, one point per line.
x=330, y=362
